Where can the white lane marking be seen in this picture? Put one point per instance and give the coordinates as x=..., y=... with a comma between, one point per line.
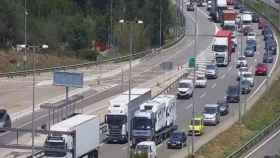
x=224, y=75
x=188, y=107
x=259, y=87
x=262, y=144
x=214, y=85
x=124, y=148
x=203, y=95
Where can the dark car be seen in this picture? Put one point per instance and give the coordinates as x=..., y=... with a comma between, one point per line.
x=5, y=120
x=271, y=46
x=246, y=30
x=233, y=94
x=268, y=57
x=177, y=140
x=249, y=51
x=245, y=86
x=252, y=43
x=255, y=18
x=223, y=107
x=267, y=30
x=190, y=7
x=261, y=69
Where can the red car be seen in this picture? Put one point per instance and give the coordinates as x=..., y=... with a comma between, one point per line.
x=262, y=23
x=261, y=69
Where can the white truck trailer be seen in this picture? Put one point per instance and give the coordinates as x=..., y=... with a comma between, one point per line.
x=85, y=142
x=118, y=118
x=155, y=120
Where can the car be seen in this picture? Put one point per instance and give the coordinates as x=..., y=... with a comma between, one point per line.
x=249, y=51
x=233, y=94
x=262, y=23
x=5, y=120
x=178, y=139
x=261, y=69
x=241, y=61
x=190, y=7
x=251, y=43
x=148, y=148
x=185, y=89
x=267, y=30
x=241, y=71
x=223, y=107
x=237, y=5
x=200, y=81
x=211, y=114
x=271, y=46
x=245, y=86
x=211, y=71
x=246, y=30
x=268, y=57
x=251, y=36
x=196, y=126
x=256, y=17
x=248, y=76
x=268, y=35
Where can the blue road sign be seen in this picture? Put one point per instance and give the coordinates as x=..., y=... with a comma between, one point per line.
x=68, y=79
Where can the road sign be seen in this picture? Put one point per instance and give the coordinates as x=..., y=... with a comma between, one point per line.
x=68, y=79
x=192, y=62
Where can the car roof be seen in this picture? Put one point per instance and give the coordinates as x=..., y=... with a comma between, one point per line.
x=186, y=81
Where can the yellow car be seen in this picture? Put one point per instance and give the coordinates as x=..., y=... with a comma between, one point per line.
x=196, y=126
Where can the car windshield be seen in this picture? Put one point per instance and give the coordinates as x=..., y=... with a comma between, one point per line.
x=142, y=149
x=2, y=114
x=220, y=59
x=245, y=83
x=241, y=58
x=219, y=48
x=184, y=85
x=115, y=119
x=243, y=69
x=176, y=135
x=232, y=90
x=195, y=122
x=247, y=75
x=210, y=110
x=211, y=67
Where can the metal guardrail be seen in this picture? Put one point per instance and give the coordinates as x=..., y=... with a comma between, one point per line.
x=88, y=64
x=268, y=129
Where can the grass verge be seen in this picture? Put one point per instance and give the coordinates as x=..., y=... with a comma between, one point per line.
x=266, y=109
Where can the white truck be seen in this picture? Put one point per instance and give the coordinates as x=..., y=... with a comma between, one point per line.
x=117, y=117
x=151, y=121
x=246, y=19
x=220, y=49
x=85, y=143
x=222, y=4
x=146, y=149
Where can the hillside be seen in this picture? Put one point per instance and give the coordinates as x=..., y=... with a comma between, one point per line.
x=72, y=27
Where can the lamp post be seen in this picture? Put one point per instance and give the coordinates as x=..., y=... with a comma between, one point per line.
x=34, y=49
x=131, y=29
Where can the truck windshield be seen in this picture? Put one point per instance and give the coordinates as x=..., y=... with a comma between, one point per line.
x=55, y=143
x=220, y=59
x=219, y=48
x=142, y=123
x=116, y=119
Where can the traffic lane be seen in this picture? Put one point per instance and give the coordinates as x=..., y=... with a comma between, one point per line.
x=114, y=150
x=269, y=146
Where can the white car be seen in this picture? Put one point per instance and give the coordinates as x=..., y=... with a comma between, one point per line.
x=248, y=76
x=147, y=147
x=241, y=61
x=251, y=36
x=185, y=89
x=200, y=81
x=241, y=71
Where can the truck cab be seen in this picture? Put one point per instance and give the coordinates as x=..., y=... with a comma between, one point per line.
x=145, y=149
x=220, y=48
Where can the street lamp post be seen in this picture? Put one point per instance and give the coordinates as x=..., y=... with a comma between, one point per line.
x=34, y=48
x=131, y=29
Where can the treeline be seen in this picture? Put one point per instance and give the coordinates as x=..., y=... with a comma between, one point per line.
x=73, y=25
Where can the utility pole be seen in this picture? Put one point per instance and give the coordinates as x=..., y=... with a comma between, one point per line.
x=25, y=34
x=160, y=23
x=194, y=78
x=111, y=21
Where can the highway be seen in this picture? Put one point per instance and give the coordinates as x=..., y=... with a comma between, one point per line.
x=179, y=54
x=215, y=90
x=269, y=146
